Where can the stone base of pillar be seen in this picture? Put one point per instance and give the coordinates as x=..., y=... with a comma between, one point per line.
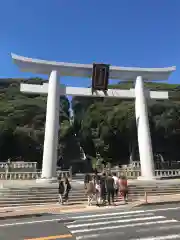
x=46, y=180
x=141, y=178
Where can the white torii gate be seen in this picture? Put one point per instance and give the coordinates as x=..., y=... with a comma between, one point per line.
x=53, y=89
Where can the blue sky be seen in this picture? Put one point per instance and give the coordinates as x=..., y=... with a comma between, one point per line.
x=143, y=33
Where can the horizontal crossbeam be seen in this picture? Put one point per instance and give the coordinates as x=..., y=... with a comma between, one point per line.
x=86, y=92
x=85, y=70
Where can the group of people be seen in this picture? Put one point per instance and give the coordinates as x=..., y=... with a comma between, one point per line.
x=64, y=189
x=105, y=187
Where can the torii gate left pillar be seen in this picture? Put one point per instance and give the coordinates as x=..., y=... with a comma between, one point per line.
x=54, y=91
x=51, y=129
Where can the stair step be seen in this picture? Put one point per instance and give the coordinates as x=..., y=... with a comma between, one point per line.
x=17, y=193
x=9, y=196
x=43, y=201
x=36, y=198
x=39, y=201
x=42, y=195
x=33, y=204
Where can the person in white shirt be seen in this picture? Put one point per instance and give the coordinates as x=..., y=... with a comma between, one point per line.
x=116, y=184
x=98, y=192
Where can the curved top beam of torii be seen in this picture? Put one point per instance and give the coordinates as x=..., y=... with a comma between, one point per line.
x=85, y=70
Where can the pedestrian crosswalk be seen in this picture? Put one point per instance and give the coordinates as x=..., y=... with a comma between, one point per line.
x=132, y=225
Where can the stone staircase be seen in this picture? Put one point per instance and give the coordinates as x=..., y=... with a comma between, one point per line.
x=36, y=195
x=30, y=196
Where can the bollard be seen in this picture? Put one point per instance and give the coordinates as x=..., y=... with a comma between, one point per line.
x=145, y=195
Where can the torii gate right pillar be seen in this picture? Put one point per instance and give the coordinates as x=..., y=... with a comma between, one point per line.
x=143, y=132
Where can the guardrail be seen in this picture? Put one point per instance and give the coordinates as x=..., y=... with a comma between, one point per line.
x=133, y=174
x=130, y=174
x=30, y=175
x=19, y=164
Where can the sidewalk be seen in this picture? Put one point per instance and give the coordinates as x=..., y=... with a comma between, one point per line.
x=160, y=199
x=38, y=210
x=20, y=212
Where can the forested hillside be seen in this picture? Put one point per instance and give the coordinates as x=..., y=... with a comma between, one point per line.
x=108, y=126
x=104, y=126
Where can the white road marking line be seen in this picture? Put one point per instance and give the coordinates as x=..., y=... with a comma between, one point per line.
x=114, y=217
x=108, y=234
x=166, y=237
x=32, y=222
x=107, y=214
x=122, y=226
x=102, y=235
x=116, y=221
x=159, y=228
x=123, y=213
x=161, y=209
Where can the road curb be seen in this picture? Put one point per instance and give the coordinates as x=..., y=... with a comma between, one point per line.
x=61, y=220
x=155, y=203
x=22, y=216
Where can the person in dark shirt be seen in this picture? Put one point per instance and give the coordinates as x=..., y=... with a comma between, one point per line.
x=110, y=189
x=61, y=189
x=96, y=178
x=103, y=187
x=95, y=171
x=87, y=178
x=67, y=189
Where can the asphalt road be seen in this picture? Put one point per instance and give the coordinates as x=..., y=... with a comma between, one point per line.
x=145, y=223
x=37, y=228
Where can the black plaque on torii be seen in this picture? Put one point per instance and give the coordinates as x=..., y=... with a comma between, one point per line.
x=100, y=77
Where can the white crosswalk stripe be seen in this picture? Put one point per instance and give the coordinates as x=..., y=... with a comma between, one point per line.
x=134, y=225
